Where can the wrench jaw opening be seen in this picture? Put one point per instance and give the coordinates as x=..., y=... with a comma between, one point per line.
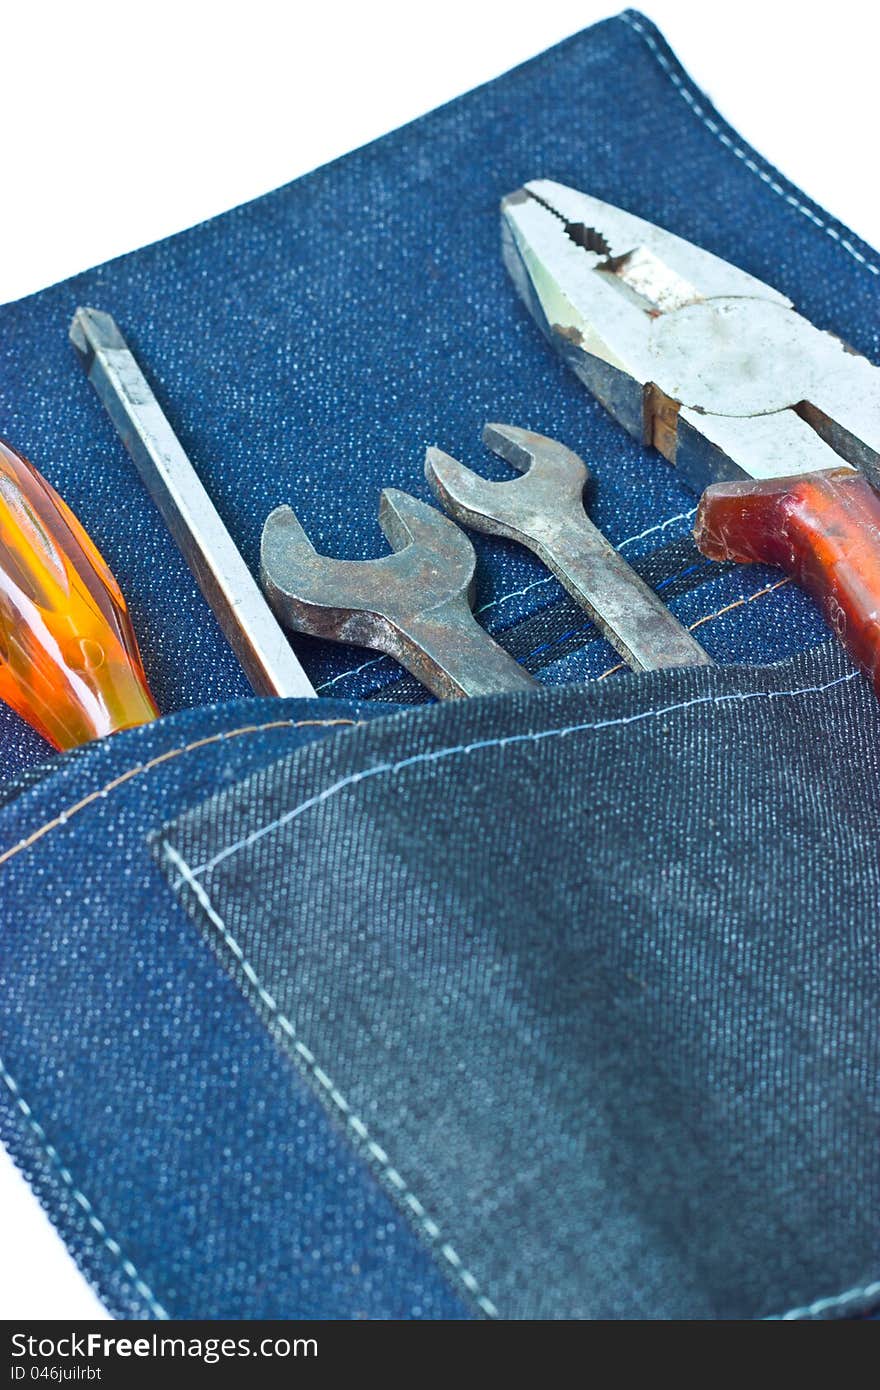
x=515, y=446
x=466, y=496
x=542, y=458
x=309, y=593
x=446, y=559
x=413, y=605
x=284, y=548
x=544, y=511
x=546, y=495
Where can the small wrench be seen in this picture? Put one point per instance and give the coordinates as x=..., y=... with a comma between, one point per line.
x=544, y=511
x=414, y=605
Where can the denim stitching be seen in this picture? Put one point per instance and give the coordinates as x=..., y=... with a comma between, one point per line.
x=355, y=1123
x=823, y=1305
x=187, y=874
x=392, y=1175
x=64, y=816
x=661, y=526
x=508, y=741
x=710, y=617
x=79, y=1197
x=61, y=819
x=590, y=622
x=716, y=130
x=342, y=674
x=520, y=593
x=740, y=602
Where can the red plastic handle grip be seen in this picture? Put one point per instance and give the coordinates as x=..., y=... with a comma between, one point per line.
x=69, y=662
x=823, y=529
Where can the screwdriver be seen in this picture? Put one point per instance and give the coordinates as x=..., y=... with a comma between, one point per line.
x=250, y=626
x=69, y=659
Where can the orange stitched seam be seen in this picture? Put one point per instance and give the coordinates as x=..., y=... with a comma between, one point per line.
x=728, y=608
x=64, y=816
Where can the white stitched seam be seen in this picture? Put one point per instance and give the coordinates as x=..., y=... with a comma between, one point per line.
x=79, y=1197
x=630, y=540
x=519, y=593
x=742, y=154
x=823, y=1305
x=376, y=1152
x=392, y=1175
x=357, y=670
x=466, y=748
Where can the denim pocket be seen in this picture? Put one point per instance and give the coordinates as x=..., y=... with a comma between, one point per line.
x=587, y=978
x=190, y=1171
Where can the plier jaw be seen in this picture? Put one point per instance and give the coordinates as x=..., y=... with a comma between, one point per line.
x=552, y=276
x=689, y=353
x=774, y=422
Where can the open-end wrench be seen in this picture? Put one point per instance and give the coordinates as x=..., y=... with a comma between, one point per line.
x=414, y=605
x=544, y=511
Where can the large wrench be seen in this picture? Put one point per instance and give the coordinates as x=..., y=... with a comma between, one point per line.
x=414, y=605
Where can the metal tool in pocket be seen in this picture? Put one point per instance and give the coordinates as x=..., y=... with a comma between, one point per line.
x=544, y=511
x=413, y=605
x=266, y=655
x=774, y=423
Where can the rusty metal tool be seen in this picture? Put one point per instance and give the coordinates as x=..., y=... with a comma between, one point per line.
x=544, y=511
x=264, y=651
x=775, y=423
x=413, y=605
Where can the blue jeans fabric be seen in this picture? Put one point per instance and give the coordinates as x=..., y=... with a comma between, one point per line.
x=614, y=1047
x=138, y=1088
x=307, y=347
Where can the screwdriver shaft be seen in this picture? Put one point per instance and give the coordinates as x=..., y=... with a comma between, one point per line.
x=226, y=582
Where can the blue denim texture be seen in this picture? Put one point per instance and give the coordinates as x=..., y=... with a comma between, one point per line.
x=307, y=347
x=187, y=1166
x=618, y=1044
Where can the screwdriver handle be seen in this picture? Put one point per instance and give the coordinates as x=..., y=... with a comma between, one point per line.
x=69, y=661
x=823, y=529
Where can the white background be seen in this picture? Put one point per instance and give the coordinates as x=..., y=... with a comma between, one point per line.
x=123, y=122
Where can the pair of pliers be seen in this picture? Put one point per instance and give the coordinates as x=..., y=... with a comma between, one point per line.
x=774, y=423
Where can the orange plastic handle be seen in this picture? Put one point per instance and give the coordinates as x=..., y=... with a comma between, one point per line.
x=821, y=528
x=69, y=661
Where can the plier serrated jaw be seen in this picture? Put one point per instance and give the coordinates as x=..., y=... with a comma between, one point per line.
x=688, y=352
